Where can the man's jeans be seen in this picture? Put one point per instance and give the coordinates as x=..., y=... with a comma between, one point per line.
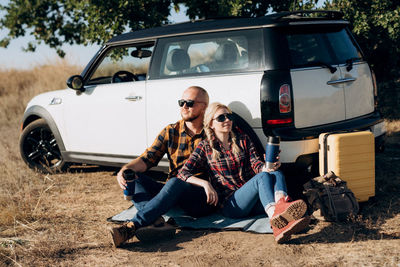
x=145, y=189
x=192, y=199
x=255, y=196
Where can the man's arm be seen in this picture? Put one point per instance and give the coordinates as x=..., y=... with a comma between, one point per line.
x=149, y=158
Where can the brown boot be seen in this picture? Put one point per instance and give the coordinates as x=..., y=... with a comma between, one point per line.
x=286, y=211
x=282, y=235
x=123, y=233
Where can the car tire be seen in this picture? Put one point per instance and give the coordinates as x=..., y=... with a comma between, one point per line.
x=39, y=148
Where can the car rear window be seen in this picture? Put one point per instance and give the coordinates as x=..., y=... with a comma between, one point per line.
x=203, y=54
x=310, y=47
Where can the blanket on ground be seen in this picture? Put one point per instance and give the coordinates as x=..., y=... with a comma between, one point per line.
x=257, y=224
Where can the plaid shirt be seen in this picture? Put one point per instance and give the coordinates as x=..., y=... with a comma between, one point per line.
x=174, y=141
x=229, y=172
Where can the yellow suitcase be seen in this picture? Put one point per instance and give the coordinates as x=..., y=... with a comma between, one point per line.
x=351, y=156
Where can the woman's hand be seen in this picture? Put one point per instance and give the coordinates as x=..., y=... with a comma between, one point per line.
x=212, y=196
x=277, y=164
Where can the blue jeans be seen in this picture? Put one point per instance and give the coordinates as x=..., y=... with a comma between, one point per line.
x=255, y=196
x=192, y=199
x=145, y=189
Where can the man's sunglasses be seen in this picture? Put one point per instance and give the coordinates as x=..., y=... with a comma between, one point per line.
x=223, y=117
x=189, y=103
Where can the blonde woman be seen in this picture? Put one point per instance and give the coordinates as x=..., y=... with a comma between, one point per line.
x=239, y=182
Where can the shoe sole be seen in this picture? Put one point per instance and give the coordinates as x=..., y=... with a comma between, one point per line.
x=154, y=233
x=295, y=211
x=295, y=228
x=113, y=233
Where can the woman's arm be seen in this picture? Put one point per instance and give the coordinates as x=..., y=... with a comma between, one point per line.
x=212, y=196
x=256, y=162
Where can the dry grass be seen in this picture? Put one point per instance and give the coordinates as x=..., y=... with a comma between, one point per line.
x=60, y=220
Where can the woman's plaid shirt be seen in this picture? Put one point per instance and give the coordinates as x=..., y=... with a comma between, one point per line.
x=229, y=172
x=176, y=143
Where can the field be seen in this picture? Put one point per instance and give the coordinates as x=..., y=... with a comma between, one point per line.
x=60, y=220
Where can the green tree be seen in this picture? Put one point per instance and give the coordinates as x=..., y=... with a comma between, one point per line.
x=58, y=22
x=246, y=8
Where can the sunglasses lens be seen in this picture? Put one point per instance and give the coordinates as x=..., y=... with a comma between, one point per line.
x=189, y=103
x=220, y=118
x=223, y=117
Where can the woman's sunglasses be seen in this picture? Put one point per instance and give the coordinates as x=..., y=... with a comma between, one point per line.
x=189, y=103
x=223, y=117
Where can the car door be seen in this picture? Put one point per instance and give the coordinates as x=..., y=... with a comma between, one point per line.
x=316, y=96
x=358, y=89
x=327, y=86
x=108, y=119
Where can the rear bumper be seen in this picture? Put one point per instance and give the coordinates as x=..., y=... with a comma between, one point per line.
x=297, y=143
x=372, y=122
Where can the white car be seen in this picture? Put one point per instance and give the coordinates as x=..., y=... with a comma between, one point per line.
x=287, y=74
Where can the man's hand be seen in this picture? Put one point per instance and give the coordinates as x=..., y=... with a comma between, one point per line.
x=120, y=178
x=137, y=165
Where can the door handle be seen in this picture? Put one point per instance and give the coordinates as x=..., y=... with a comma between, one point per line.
x=134, y=98
x=345, y=80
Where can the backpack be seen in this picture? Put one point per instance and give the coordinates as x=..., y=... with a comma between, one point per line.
x=331, y=195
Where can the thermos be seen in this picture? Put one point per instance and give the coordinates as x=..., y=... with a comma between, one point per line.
x=272, y=151
x=129, y=176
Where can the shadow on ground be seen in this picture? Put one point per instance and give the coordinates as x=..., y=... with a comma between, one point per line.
x=166, y=245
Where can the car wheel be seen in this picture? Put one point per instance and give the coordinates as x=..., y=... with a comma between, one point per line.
x=39, y=148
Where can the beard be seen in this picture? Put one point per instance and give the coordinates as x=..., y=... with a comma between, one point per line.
x=190, y=118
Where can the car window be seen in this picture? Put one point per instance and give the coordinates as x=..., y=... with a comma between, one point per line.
x=209, y=53
x=123, y=64
x=330, y=47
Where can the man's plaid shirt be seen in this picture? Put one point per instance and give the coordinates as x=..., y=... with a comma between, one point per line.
x=174, y=141
x=229, y=172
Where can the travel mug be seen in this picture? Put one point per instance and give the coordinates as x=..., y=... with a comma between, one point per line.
x=271, y=151
x=129, y=176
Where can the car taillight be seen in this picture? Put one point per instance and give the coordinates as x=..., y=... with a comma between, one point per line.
x=375, y=89
x=280, y=121
x=285, y=102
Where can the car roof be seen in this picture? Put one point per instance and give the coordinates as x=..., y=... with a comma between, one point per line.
x=230, y=23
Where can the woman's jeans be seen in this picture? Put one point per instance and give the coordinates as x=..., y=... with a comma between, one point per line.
x=255, y=196
x=192, y=199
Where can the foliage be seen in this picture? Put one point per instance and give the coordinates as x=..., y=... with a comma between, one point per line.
x=376, y=25
x=58, y=22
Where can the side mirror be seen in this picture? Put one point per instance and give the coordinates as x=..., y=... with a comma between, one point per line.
x=76, y=82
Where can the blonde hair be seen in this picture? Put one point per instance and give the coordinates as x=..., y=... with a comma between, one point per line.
x=210, y=135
